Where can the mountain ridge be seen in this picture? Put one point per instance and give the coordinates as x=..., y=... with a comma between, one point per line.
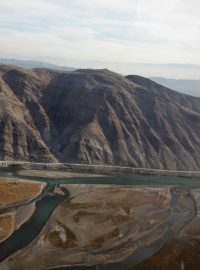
x=96, y=117
x=33, y=64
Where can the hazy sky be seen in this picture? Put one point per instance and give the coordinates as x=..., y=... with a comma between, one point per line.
x=123, y=31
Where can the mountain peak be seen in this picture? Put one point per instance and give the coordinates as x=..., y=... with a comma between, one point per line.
x=96, y=117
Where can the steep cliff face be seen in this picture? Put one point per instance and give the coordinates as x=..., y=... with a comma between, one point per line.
x=96, y=117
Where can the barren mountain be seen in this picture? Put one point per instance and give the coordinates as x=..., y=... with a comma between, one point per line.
x=96, y=117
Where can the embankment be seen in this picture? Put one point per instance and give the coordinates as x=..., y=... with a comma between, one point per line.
x=100, y=169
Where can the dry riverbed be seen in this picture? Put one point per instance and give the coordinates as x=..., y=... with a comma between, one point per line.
x=182, y=252
x=96, y=224
x=99, y=224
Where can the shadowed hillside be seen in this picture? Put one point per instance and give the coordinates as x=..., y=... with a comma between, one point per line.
x=96, y=117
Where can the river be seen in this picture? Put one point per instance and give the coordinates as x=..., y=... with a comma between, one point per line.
x=48, y=201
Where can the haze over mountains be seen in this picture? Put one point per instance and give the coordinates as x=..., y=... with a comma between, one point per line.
x=186, y=86
x=96, y=117
x=190, y=87
x=33, y=64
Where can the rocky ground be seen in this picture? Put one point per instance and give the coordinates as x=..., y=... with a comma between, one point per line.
x=96, y=117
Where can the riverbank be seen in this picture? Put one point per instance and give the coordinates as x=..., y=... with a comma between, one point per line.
x=16, y=192
x=95, y=169
x=15, y=203
x=133, y=218
x=139, y=214
x=55, y=174
x=29, y=231
x=181, y=252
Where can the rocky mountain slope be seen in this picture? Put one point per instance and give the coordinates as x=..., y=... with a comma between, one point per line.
x=96, y=117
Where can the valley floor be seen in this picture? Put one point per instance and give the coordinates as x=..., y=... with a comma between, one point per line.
x=182, y=252
x=84, y=225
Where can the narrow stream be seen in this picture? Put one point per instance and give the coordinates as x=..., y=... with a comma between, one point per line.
x=30, y=230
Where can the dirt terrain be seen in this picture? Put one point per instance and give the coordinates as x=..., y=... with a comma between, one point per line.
x=182, y=252
x=97, y=224
x=13, y=194
x=15, y=191
x=100, y=224
x=6, y=226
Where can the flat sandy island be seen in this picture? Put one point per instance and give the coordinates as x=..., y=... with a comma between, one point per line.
x=55, y=174
x=6, y=226
x=13, y=194
x=15, y=191
x=97, y=224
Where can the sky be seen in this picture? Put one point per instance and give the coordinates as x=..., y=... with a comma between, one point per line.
x=101, y=32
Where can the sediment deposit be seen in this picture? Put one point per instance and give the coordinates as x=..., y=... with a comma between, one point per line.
x=99, y=224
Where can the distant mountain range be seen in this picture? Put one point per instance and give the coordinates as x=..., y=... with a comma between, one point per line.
x=96, y=117
x=190, y=87
x=170, y=70
x=33, y=64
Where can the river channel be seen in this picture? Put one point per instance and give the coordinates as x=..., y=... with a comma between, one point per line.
x=48, y=201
